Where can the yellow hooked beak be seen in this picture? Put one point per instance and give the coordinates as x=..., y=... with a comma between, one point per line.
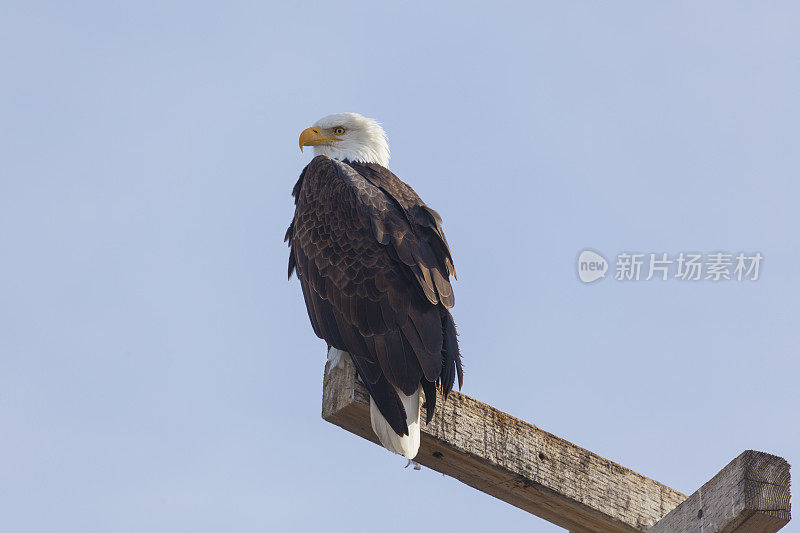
x=313, y=136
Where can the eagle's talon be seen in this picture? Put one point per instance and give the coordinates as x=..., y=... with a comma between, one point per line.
x=413, y=462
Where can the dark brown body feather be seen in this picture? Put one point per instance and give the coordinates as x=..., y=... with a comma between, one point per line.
x=374, y=267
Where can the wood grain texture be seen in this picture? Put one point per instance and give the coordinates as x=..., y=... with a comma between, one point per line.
x=515, y=461
x=749, y=495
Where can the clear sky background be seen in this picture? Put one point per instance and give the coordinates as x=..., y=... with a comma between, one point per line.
x=158, y=372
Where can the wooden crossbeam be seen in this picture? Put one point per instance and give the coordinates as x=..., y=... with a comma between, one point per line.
x=749, y=495
x=564, y=483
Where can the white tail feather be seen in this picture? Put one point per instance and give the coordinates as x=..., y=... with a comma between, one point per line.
x=407, y=445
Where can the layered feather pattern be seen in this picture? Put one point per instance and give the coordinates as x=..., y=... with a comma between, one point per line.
x=375, y=267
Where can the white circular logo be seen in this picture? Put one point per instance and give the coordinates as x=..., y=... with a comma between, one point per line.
x=591, y=266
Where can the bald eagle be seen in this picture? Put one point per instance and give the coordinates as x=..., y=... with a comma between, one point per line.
x=375, y=268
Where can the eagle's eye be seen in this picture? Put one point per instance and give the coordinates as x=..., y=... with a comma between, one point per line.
x=338, y=131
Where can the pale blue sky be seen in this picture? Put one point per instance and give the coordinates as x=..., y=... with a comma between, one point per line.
x=158, y=372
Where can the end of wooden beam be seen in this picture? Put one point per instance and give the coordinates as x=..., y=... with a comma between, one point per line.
x=750, y=495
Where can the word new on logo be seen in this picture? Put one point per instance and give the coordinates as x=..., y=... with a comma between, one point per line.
x=591, y=266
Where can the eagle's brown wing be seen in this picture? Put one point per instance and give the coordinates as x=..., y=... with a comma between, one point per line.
x=374, y=268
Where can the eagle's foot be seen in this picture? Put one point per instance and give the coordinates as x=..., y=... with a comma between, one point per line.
x=413, y=462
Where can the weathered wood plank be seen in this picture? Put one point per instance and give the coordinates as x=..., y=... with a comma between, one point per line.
x=515, y=462
x=749, y=495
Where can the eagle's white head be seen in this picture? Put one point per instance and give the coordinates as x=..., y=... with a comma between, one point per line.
x=348, y=136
